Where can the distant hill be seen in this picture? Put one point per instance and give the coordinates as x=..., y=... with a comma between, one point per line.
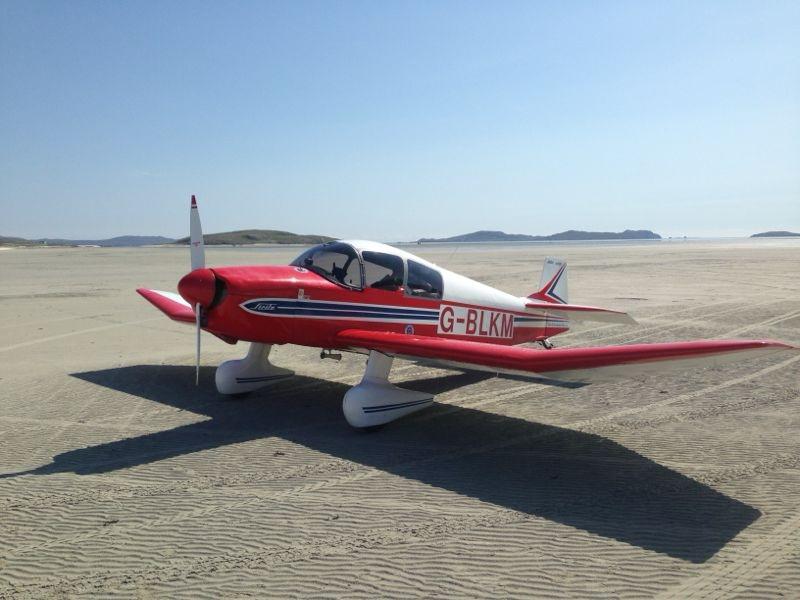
x=14, y=241
x=572, y=234
x=775, y=234
x=115, y=242
x=259, y=236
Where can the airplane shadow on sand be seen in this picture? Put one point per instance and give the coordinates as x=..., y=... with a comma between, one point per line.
x=578, y=479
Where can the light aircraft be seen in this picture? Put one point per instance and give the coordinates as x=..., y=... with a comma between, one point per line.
x=375, y=299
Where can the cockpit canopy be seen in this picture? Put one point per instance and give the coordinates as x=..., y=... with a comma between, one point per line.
x=380, y=268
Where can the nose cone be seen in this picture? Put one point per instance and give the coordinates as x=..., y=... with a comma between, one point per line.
x=198, y=287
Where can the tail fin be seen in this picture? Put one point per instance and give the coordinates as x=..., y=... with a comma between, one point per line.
x=553, y=283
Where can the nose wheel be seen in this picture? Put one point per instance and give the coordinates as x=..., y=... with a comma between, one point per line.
x=252, y=372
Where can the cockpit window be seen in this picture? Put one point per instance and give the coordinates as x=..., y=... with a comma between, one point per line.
x=335, y=261
x=382, y=270
x=423, y=281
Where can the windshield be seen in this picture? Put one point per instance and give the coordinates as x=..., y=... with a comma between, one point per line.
x=335, y=261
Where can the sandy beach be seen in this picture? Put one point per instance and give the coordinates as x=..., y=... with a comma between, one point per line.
x=121, y=478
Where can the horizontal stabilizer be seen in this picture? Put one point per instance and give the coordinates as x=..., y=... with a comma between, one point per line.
x=566, y=364
x=576, y=312
x=171, y=304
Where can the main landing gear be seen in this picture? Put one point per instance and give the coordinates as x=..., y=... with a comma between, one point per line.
x=546, y=344
x=371, y=403
x=375, y=401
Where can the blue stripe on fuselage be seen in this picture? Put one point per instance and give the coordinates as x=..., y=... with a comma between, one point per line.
x=282, y=307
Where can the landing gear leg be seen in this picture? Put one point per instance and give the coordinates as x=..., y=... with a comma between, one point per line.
x=375, y=401
x=250, y=373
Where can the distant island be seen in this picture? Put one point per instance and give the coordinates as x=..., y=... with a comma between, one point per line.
x=258, y=236
x=571, y=235
x=775, y=234
x=228, y=238
x=115, y=242
x=14, y=241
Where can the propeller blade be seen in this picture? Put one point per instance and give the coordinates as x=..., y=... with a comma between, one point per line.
x=196, y=245
x=197, y=318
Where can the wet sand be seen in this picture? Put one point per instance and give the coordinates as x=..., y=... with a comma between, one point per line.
x=123, y=478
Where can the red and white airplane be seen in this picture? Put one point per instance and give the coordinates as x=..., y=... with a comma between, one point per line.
x=378, y=300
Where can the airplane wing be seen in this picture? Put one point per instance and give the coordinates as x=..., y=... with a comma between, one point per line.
x=171, y=304
x=566, y=364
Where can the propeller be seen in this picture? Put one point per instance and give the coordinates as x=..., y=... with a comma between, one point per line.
x=199, y=287
x=198, y=259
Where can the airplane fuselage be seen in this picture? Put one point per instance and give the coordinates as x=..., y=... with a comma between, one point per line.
x=293, y=305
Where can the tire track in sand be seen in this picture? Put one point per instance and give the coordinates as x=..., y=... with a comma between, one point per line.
x=62, y=336
x=773, y=321
x=741, y=567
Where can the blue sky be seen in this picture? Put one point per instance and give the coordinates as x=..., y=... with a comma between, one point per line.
x=395, y=120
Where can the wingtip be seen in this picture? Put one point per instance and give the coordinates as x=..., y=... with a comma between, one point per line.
x=764, y=343
x=780, y=344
